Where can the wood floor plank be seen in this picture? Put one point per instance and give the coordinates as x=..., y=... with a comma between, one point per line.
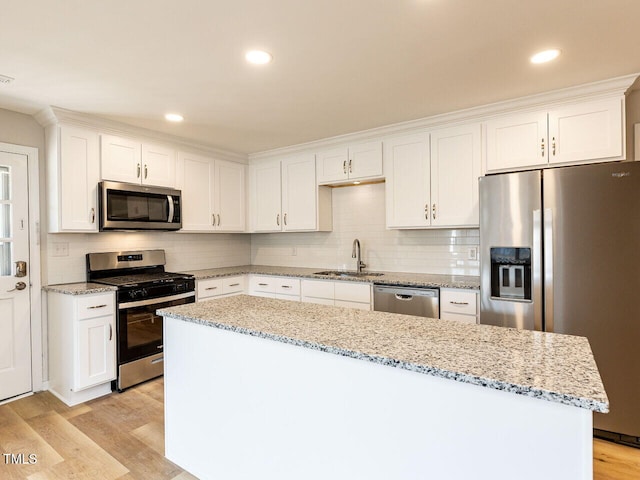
x=18, y=438
x=615, y=462
x=80, y=452
x=43, y=402
x=152, y=434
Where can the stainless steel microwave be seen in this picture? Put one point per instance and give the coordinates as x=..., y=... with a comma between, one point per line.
x=129, y=206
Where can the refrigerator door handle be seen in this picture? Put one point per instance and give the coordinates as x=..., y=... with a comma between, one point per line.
x=537, y=270
x=548, y=269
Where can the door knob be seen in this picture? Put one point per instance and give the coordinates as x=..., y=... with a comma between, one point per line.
x=19, y=286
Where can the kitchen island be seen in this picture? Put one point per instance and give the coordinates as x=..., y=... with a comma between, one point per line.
x=264, y=388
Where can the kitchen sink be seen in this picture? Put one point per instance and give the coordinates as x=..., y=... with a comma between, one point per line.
x=347, y=273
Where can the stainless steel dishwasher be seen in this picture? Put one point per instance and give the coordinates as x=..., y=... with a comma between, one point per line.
x=423, y=302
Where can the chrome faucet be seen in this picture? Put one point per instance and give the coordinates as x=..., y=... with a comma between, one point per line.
x=355, y=253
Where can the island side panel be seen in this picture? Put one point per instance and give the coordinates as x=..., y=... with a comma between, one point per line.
x=239, y=407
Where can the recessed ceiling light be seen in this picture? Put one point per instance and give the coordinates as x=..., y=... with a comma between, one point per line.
x=545, y=56
x=174, y=117
x=258, y=57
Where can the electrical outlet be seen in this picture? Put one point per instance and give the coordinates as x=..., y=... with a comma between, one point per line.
x=60, y=249
x=472, y=253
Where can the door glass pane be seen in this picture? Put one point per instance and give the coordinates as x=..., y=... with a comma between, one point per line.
x=4, y=183
x=5, y=259
x=5, y=221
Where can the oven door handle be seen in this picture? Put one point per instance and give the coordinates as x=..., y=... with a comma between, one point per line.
x=151, y=301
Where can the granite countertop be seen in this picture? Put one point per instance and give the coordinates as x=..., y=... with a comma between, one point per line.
x=553, y=367
x=80, y=288
x=387, y=278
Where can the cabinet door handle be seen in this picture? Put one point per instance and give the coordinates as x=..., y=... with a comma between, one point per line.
x=146, y=171
x=138, y=170
x=426, y=211
x=344, y=167
x=459, y=303
x=211, y=288
x=278, y=219
x=553, y=146
x=110, y=332
x=92, y=212
x=213, y=219
x=97, y=306
x=285, y=218
x=434, y=211
x=218, y=215
x=542, y=146
x=350, y=169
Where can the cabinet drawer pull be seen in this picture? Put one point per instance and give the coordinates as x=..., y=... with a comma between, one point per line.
x=459, y=303
x=234, y=285
x=263, y=284
x=97, y=306
x=286, y=286
x=211, y=288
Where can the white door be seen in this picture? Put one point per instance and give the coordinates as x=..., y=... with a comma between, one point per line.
x=15, y=322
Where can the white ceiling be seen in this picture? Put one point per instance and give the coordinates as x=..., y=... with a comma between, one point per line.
x=339, y=66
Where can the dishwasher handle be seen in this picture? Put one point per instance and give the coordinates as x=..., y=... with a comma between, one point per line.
x=403, y=297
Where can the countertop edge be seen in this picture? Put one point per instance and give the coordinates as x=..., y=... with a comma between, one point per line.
x=565, y=399
x=79, y=288
x=206, y=274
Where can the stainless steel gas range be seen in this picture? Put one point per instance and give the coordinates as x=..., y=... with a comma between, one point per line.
x=143, y=287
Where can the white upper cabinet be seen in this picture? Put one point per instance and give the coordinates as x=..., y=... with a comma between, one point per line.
x=456, y=158
x=432, y=179
x=581, y=132
x=284, y=196
x=229, y=196
x=73, y=173
x=408, y=184
x=127, y=160
x=213, y=194
x=299, y=193
x=353, y=163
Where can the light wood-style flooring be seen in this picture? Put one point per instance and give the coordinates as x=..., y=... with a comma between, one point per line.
x=121, y=436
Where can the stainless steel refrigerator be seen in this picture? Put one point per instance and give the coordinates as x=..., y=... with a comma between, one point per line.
x=560, y=252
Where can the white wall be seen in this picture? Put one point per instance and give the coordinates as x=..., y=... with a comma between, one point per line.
x=359, y=212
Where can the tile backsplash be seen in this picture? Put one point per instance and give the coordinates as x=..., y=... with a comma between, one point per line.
x=184, y=251
x=359, y=212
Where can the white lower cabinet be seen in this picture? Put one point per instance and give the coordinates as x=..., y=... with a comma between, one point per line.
x=460, y=304
x=82, y=345
x=338, y=293
x=284, y=288
x=209, y=288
